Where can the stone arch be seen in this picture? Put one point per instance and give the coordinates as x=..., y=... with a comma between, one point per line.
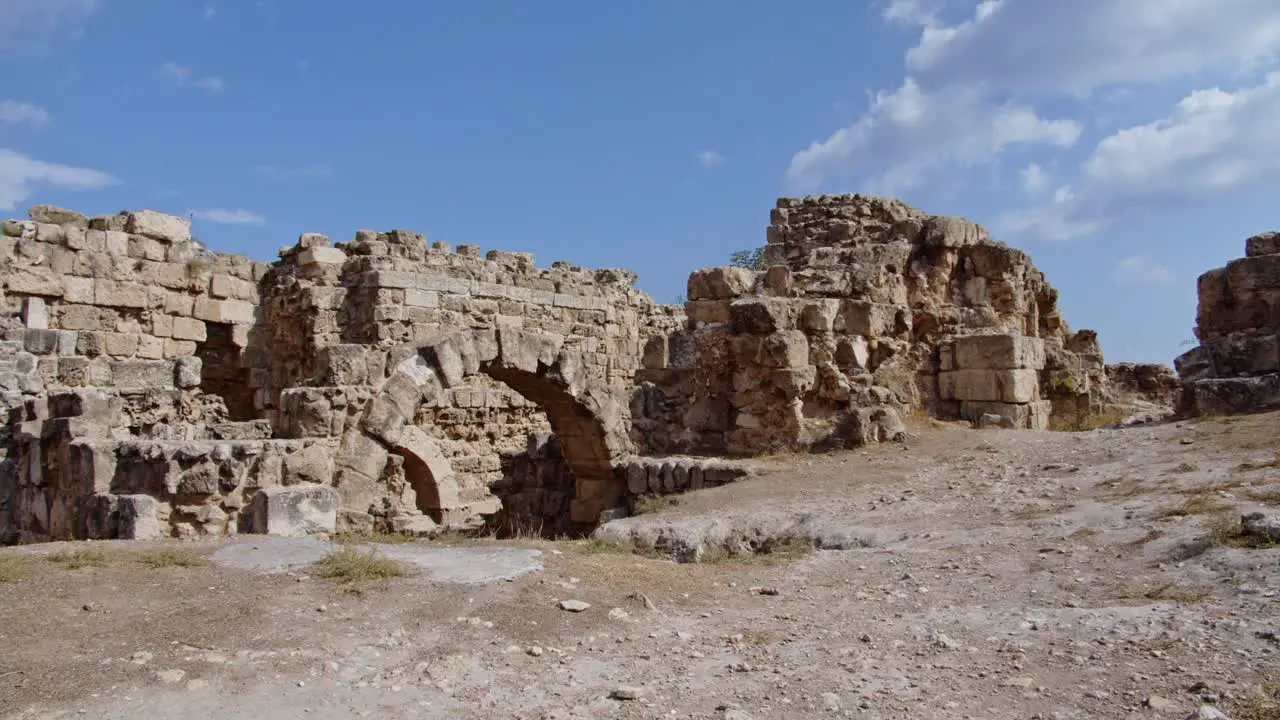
x=586, y=416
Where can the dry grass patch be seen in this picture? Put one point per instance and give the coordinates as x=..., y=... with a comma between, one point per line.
x=1169, y=592
x=80, y=559
x=751, y=636
x=653, y=503
x=13, y=569
x=171, y=558
x=1185, y=467
x=378, y=538
x=1269, y=495
x=1227, y=531
x=1200, y=504
x=349, y=566
x=770, y=554
x=1266, y=707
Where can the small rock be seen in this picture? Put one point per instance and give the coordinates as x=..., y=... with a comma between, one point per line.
x=618, y=614
x=142, y=657
x=574, y=606
x=196, y=684
x=765, y=591
x=1018, y=682
x=171, y=677
x=535, y=651
x=1157, y=703
x=831, y=701
x=945, y=642
x=625, y=693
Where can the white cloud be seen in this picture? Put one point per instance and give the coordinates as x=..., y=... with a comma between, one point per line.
x=1035, y=180
x=1213, y=142
x=20, y=173
x=1013, y=73
x=13, y=112
x=1140, y=270
x=35, y=26
x=230, y=217
x=301, y=172
x=710, y=158
x=1083, y=45
x=182, y=76
x=909, y=137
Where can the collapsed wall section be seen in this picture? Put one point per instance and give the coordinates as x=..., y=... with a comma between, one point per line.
x=1236, y=366
x=864, y=309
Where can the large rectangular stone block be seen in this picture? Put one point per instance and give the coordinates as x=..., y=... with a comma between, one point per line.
x=1010, y=386
x=1264, y=244
x=1000, y=352
x=115, y=293
x=1250, y=274
x=156, y=225
x=188, y=329
x=720, y=283
x=1029, y=416
x=295, y=511
x=143, y=374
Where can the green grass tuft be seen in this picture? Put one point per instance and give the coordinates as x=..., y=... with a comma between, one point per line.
x=349, y=566
x=170, y=558
x=13, y=569
x=79, y=559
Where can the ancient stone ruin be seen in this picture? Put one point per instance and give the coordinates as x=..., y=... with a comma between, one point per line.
x=1236, y=367
x=154, y=388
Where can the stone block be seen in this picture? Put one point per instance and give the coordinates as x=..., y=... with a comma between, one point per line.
x=40, y=342
x=37, y=280
x=708, y=312
x=187, y=372
x=35, y=314
x=310, y=465
x=189, y=329
x=78, y=290
x=1245, y=354
x=159, y=226
x=720, y=283
x=151, y=374
x=295, y=511
x=866, y=318
x=321, y=256
x=819, y=316
x=1264, y=244
x=150, y=347
x=421, y=298
x=760, y=316
x=777, y=281
x=1009, y=386
x=1233, y=396
x=139, y=518
x=1250, y=275
x=57, y=216
x=119, y=344
x=1027, y=416
x=115, y=293
x=787, y=350
x=999, y=352
x=343, y=365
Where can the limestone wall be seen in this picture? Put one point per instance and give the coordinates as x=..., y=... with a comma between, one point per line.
x=867, y=309
x=212, y=376
x=1236, y=367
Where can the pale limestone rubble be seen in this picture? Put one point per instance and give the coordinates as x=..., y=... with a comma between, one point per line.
x=155, y=389
x=1236, y=366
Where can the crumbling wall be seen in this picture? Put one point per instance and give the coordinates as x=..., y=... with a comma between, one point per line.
x=867, y=309
x=1236, y=367
x=253, y=375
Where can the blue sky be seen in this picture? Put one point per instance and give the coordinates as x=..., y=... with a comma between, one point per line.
x=1127, y=146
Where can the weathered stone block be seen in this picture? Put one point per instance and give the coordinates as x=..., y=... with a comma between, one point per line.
x=1264, y=244
x=152, y=224
x=139, y=518
x=343, y=365
x=57, y=216
x=189, y=329
x=115, y=293
x=720, y=283
x=78, y=289
x=40, y=342
x=708, y=312
x=1010, y=386
x=187, y=372
x=760, y=316
x=310, y=465
x=1028, y=416
x=999, y=352
x=295, y=511
x=321, y=255
x=37, y=280
x=35, y=314
x=143, y=374
x=869, y=319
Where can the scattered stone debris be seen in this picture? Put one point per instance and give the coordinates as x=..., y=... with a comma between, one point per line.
x=574, y=606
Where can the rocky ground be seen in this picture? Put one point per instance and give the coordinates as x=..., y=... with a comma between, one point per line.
x=992, y=574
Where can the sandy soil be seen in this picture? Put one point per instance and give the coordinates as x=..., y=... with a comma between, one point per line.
x=994, y=574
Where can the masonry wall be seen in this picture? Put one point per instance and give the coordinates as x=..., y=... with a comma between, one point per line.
x=185, y=363
x=865, y=310
x=1236, y=366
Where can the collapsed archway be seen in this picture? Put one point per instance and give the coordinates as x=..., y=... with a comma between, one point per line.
x=587, y=417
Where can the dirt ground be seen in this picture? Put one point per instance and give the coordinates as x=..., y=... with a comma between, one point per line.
x=993, y=574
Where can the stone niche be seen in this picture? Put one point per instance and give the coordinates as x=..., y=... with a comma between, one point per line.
x=1236, y=366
